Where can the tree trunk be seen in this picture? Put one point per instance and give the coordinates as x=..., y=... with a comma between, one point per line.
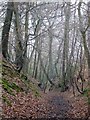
x=86, y=49
x=25, y=66
x=65, y=47
x=50, y=71
x=6, y=29
x=19, y=49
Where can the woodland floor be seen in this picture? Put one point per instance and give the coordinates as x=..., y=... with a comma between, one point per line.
x=50, y=105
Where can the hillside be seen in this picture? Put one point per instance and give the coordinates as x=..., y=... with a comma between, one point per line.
x=22, y=98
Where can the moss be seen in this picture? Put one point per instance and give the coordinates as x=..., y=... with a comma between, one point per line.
x=7, y=69
x=6, y=100
x=10, y=87
x=85, y=92
x=16, y=87
x=24, y=77
x=7, y=87
x=9, y=72
x=30, y=86
x=34, y=89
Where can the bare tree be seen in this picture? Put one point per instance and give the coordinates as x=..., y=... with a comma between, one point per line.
x=65, y=47
x=86, y=49
x=6, y=29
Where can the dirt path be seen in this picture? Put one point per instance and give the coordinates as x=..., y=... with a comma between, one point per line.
x=51, y=105
x=60, y=106
x=64, y=107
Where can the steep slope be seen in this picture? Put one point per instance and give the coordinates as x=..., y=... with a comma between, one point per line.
x=22, y=98
x=16, y=88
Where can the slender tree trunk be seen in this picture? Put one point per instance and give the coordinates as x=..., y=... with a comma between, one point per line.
x=89, y=55
x=86, y=49
x=37, y=54
x=50, y=71
x=25, y=66
x=65, y=47
x=6, y=29
x=19, y=49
